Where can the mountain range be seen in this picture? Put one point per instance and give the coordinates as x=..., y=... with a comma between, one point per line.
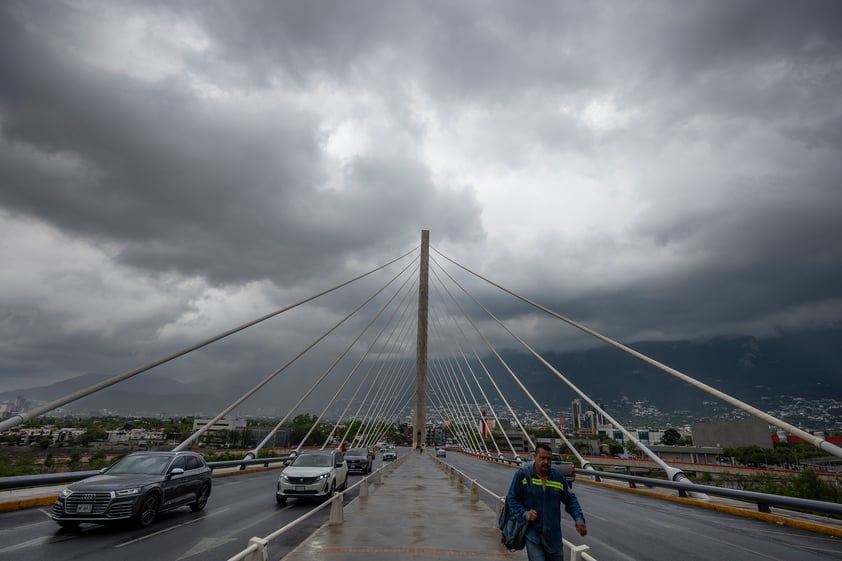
x=801, y=368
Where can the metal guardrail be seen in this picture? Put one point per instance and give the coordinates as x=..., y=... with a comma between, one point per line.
x=24, y=481
x=763, y=500
x=577, y=552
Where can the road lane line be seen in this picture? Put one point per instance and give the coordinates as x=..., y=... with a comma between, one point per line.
x=165, y=530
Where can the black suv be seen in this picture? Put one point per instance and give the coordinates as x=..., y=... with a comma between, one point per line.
x=136, y=488
x=358, y=460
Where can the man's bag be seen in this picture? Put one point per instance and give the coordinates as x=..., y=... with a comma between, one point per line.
x=513, y=529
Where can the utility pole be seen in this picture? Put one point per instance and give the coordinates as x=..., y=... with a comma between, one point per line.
x=420, y=428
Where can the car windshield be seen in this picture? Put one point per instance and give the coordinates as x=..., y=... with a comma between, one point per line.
x=357, y=452
x=149, y=465
x=313, y=460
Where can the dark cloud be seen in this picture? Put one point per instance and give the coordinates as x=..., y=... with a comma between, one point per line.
x=656, y=169
x=180, y=186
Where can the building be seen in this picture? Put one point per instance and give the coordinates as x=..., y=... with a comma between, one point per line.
x=136, y=435
x=281, y=438
x=732, y=433
x=219, y=433
x=576, y=413
x=688, y=454
x=436, y=436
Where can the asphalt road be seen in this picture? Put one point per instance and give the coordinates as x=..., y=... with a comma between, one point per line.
x=622, y=526
x=239, y=508
x=629, y=527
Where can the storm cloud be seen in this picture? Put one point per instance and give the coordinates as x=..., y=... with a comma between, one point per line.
x=658, y=170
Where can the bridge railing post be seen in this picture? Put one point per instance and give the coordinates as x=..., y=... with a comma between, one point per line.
x=260, y=553
x=336, y=511
x=576, y=552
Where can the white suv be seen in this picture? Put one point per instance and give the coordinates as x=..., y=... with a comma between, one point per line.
x=315, y=474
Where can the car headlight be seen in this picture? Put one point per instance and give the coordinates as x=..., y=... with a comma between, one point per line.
x=66, y=493
x=323, y=476
x=284, y=477
x=128, y=492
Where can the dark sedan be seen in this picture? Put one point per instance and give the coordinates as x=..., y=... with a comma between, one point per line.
x=136, y=488
x=358, y=460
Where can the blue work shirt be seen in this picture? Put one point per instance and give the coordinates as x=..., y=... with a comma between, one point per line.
x=523, y=497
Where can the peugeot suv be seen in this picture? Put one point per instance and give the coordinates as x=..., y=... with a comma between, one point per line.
x=314, y=474
x=136, y=488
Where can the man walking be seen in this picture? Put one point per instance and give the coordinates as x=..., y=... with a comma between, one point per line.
x=536, y=494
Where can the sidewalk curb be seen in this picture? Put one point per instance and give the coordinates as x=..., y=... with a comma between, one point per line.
x=20, y=504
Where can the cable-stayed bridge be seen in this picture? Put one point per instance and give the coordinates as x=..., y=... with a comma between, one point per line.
x=422, y=340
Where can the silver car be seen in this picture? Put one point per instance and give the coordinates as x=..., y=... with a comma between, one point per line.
x=389, y=454
x=315, y=474
x=136, y=488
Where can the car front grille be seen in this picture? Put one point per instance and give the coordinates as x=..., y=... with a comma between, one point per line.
x=99, y=503
x=302, y=480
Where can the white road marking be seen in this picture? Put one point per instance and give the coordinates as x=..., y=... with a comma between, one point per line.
x=205, y=544
x=165, y=530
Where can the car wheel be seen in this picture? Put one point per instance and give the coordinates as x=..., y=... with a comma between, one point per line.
x=148, y=510
x=281, y=500
x=202, y=499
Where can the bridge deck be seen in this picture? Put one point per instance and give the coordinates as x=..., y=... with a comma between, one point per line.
x=418, y=513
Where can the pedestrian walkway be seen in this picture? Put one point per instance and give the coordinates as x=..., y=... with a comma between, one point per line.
x=419, y=513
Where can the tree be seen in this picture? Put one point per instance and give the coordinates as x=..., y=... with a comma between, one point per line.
x=93, y=433
x=808, y=485
x=614, y=447
x=301, y=424
x=671, y=437
x=752, y=455
x=75, y=461
x=48, y=463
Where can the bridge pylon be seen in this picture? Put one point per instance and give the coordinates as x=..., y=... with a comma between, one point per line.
x=420, y=426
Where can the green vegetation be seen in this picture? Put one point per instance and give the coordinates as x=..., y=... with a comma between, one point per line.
x=783, y=455
x=805, y=485
x=22, y=465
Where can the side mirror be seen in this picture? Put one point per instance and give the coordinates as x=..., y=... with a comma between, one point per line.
x=175, y=471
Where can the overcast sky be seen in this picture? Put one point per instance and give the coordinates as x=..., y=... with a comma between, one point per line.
x=656, y=170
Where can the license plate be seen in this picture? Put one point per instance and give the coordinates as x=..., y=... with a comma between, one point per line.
x=300, y=488
x=84, y=508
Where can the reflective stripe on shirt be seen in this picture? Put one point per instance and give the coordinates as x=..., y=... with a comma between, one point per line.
x=550, y=483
